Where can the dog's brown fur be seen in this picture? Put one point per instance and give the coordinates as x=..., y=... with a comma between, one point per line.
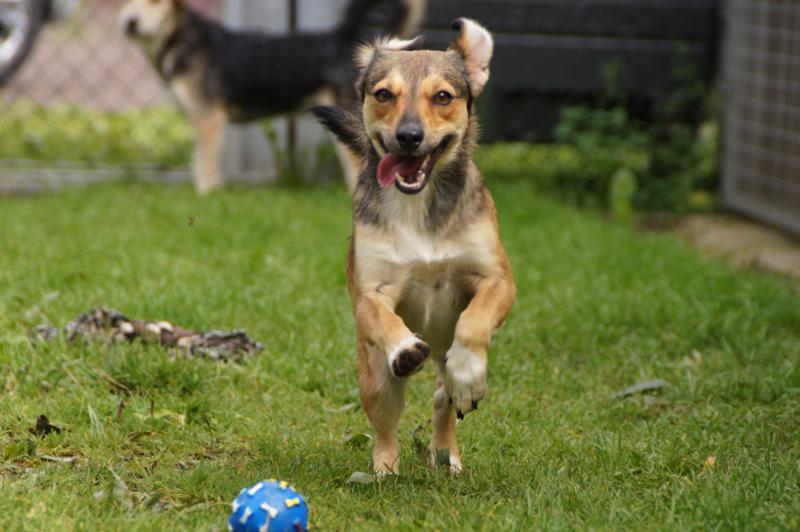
x=427, y=272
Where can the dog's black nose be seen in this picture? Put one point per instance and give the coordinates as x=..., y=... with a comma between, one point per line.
x=132, y=27
x=410, y=136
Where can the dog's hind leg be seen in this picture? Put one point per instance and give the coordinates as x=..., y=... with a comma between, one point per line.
x=444, y=425
x=383, y=398
x=209, y=126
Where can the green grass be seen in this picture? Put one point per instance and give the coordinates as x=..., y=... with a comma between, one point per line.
x=599, y=308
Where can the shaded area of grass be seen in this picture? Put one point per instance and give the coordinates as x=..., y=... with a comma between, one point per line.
x=599, y=308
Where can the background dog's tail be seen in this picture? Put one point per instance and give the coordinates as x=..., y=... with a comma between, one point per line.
x=405, y=17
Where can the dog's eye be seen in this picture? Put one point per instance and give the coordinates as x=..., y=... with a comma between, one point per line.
x=383, y=96
x=443, y=98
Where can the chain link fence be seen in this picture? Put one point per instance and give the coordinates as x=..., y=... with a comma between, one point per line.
x=86, y=105
x=761, y=86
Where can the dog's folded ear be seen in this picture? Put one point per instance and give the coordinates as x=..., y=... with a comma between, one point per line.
x=345, y=125
x=475, y=46
x=366, y=52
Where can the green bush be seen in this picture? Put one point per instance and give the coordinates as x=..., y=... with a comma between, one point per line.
x=159, y=137
x=678, y=151
x=572, y=174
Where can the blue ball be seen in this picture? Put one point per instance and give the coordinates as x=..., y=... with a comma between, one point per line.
x=269, y=506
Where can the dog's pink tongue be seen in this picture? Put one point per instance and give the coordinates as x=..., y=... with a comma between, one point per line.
x=394, y=164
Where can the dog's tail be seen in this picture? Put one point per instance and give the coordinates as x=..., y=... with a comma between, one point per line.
x=405, y=18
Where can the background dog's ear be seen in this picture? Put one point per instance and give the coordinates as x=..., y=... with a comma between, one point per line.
x=475, y=45
x=346, y=126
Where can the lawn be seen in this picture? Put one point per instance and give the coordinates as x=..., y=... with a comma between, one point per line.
x=599, y=308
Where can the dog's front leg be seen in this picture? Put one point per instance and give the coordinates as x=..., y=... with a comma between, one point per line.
x=466, y=360
x=388, y=352
x=377, y=323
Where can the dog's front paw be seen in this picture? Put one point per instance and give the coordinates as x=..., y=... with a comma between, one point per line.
x=408, y=357
x=465, y=378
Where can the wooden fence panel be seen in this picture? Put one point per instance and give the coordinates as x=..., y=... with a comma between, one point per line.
x=551, y=52
x=656, y=19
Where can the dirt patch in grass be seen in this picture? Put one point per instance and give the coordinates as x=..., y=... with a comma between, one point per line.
x=743, y=242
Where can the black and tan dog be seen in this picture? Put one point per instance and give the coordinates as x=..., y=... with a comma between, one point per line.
x=220, y=76
x=427, y=271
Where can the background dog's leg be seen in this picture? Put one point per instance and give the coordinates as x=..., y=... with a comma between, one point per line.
x=209, y=128
x=351, y=165
x=444, y=425
x=350, y=162
x=383, y=397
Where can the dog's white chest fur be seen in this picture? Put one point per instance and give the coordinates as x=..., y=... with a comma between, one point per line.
x=433, y=296
x=431, y=276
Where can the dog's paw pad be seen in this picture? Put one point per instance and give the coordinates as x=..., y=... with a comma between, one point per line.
x=410, y=360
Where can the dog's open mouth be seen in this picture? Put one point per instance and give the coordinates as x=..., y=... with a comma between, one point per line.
x=409, y=174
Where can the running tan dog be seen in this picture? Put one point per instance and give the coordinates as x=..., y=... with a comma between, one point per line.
x=427, y=271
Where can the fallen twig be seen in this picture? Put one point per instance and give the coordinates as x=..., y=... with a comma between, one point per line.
x=112, y=382
x=59, y=459
x=642, y=387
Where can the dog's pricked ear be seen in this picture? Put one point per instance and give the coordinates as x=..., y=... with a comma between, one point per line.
x=366, y=52
x=475, y=45
x=345, y=125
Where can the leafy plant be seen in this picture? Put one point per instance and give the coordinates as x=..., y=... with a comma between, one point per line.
x=158, y=137
x=622, y=193
x=679, y=147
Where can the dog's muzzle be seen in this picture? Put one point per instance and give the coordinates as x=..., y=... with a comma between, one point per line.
x=410, y=174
